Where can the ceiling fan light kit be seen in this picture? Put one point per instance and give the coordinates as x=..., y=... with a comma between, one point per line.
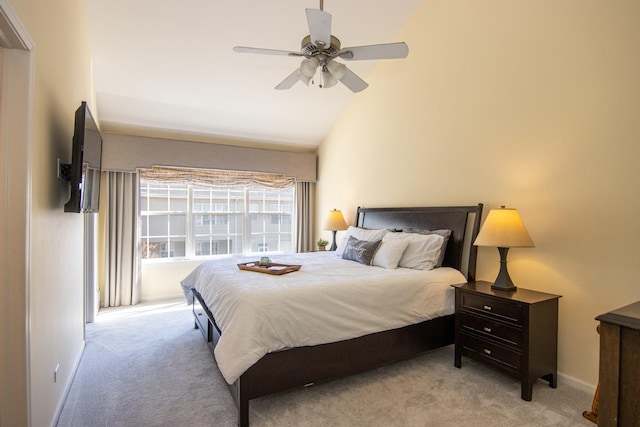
x=308, y=66
x=320, y=50
x=337, y=69
x=328, y=79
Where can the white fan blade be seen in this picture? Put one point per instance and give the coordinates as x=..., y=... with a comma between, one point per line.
x=290, y=80
x=375, y=51
x=353, y=82
x=319, y=26
x=244, y=49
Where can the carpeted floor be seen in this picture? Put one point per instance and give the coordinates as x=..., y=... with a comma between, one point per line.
x=148, y=366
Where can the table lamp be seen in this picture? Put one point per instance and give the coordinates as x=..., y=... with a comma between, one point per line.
x=335, y=221
x=504, y=229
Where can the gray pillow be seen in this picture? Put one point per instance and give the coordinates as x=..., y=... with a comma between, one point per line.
x=360, y=250
x=444, y=233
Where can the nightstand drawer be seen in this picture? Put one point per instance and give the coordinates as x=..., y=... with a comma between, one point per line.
x=491, y=353
x=500, y=308
x=509, y=335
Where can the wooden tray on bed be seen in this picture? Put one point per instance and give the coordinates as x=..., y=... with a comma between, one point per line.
x=273, y=268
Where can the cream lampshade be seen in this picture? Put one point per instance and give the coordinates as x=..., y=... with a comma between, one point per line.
x=335, y=221
x=504, y=229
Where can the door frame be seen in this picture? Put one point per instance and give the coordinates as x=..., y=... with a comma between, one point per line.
x=16, y=100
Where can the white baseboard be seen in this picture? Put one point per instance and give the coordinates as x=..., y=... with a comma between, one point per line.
x=573, y=382
x=67, y=387
x=162, y=298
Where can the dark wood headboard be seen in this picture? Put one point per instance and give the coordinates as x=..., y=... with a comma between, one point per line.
x=463, y=221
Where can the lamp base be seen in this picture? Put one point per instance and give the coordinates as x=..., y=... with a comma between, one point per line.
x=503, y=281
x=333, y=244
x=498, y=286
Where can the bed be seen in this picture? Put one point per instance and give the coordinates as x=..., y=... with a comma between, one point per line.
x=277, y=369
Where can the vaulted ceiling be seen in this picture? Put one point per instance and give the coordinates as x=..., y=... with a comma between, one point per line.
x=169, y=65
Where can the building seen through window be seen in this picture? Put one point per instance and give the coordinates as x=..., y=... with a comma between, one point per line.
x=183, y=221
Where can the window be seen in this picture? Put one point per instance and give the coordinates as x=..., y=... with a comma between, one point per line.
x=180, y=220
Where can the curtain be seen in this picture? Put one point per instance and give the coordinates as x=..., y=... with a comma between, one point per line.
x=305, y=196
x=216, y=177
x=122, y=257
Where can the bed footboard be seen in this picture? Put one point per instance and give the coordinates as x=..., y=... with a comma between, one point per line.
x=304, y=366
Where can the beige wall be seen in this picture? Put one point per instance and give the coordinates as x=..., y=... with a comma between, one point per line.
x=162, y=279
x=530, y=104
x=54, y=309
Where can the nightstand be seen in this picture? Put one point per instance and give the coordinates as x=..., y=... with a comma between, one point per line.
x=516, y=332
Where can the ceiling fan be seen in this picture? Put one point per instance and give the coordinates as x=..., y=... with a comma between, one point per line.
x=320, y=50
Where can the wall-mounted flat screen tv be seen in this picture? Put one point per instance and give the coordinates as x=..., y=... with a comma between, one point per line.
x=86, y=164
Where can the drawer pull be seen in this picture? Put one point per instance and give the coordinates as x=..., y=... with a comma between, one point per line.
x=487, y=307
x=487, y=351
x=487, y=329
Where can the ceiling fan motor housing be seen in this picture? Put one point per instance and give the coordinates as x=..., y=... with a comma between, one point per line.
x=309, y=49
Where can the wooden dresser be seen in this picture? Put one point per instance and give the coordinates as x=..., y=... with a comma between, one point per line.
x=619, y=367
x=514, y=331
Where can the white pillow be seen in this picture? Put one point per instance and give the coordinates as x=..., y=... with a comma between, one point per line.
x=390, y=251
x=423, y=250
x=446, y=234
x=360, y=234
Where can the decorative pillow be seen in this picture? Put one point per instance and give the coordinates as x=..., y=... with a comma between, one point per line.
x=423, y=250
x=360, y=250
x=360, y=234
x=444, y=233
x=390, y=251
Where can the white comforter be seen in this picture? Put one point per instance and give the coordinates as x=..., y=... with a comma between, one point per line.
x=329, y=299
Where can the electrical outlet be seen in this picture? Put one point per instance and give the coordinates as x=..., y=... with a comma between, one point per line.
x=55, y=373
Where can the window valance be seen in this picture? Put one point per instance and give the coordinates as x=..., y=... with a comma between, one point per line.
x=129, y=153
x=217, y=177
